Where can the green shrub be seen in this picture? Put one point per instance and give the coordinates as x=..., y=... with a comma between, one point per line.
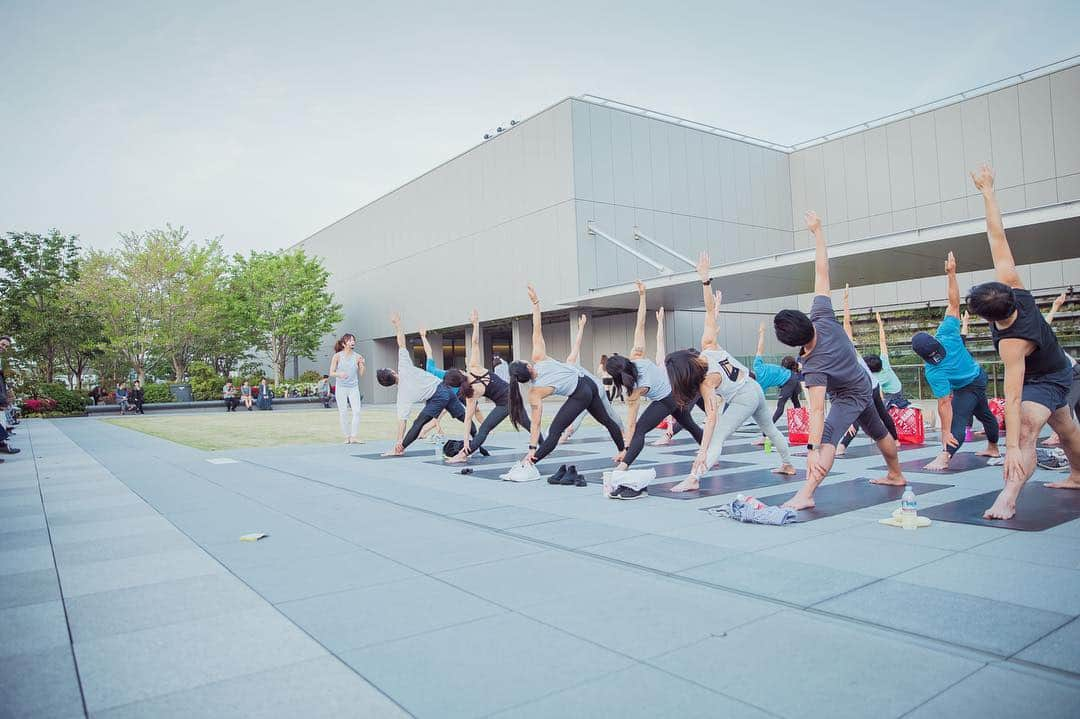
x=205, y=382
x=157, y=392
x=67, y=401
x=309, y=376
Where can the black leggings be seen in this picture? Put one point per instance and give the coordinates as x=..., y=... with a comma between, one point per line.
x=494, y=417
x=585, y=398
x=886, y=418
x=652, y=416
x=679, y=426
x=444, y=398
x=789, y=391
x=967, y=402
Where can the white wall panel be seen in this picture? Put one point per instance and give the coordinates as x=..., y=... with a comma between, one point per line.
x=623, y=159
x=855, y=176
x=641, y=150
x=835, y=184
x=878, y=177
x=1036, y=130
x=1007, y=155
x=1065, y=95
x=924, y=159
x=949, y=137
x=695, y=174
x=901, y=177
x=661, y=166
x=603, y=173
x=975, y=121
x=676, y=138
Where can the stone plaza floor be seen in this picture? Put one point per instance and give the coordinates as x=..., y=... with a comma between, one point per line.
x=398, y=587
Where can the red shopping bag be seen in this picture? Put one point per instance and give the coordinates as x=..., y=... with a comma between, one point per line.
x=909, y=424
x=663, y=424
x=798, y=425
x=997, y=406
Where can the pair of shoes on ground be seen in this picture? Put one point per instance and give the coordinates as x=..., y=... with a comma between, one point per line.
x=1053, y=459
x=567, y=476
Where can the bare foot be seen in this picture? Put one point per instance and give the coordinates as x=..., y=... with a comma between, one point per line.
x=687, y=485
x=891, y=480
x=784, y=469
x=1052, y=441
x=1073, y=482
x=394, y=453
x=991, y=451
x=841, y=450
x=940, y=463
x=1004, y=506
x=459, y=458
x=801, y=500
x=662, y=442
x=758, y=442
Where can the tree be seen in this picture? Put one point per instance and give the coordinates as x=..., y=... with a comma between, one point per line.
x=281, y=301
x=34, y=272
x=123, y=310
x=80, y=333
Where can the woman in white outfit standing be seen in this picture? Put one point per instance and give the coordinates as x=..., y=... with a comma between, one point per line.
x=347, y=367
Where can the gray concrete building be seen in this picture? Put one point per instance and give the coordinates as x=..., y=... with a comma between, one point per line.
x=589, y=194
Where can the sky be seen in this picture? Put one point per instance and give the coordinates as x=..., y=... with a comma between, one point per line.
x=262, y=122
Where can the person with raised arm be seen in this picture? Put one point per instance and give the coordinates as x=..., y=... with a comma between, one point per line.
x=551, y=377
x=1038, y=374
x=784, y=376
x=955, y=379
x=473, y=384
x=713, y=373
x=415, y=386
x=831, y=366
x=641, y=377
x=574, y=358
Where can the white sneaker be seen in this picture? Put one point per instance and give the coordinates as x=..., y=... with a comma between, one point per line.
x=522, y=472
x=437, y=438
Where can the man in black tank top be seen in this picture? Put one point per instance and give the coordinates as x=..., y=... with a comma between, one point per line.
x=1038, y=375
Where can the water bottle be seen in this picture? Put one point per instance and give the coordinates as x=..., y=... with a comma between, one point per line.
x=438, y=451
x=768, y=446
x=909, y=509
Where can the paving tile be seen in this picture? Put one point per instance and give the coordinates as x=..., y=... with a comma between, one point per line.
x=24, y=539
x=42, y=684
x=640, y=692
x=150, y=605
x=23, y=522
x=29, y=588
x=508, y=517
x=108, y=528
x=962, y=619
x=316, y=689
x=359, y=617
x=311, y=576
x=68, y=507
x=1049, y=588
x=942, y=535
x=828, y=668
x=871, y=557
x=27, y=559
x=796, y=582
x=135, y=545
x=112, y=574
x=485, y=666
x=32, y=628
x=996, y=691
x=1034, y=547
x=666, y=554
x=744, y=537
x=1060, y=650
x=278, y=547
x=574, y=533
x=131, y=667
x=101, y=514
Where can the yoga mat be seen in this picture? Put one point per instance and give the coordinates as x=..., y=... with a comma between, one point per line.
x=724, y=483
x=508, y=458
x=728, y=450
x=961, y=462
x=868, y=450
x=833, y=499
x=428, y=452
x=1038, y=508
x=548, y=468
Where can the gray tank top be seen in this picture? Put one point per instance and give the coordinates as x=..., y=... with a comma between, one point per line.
x=347, y=364
x=561, y=377
x=651, y=376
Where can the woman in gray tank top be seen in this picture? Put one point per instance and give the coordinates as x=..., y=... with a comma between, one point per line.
x=347, y=367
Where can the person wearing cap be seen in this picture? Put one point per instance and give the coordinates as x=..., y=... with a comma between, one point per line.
x=956, y=379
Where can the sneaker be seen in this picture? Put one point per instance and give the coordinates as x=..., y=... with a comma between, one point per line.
x=627, y=493
x=1052, y=459
x=557, y=477
x=581, y=481
x=5, y=448
x=522, y=473
x=436, y=438
x=570, y=478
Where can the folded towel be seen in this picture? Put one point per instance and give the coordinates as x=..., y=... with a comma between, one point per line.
x=736, y=509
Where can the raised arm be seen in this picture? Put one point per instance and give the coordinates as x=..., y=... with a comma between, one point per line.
x=575, y=351
x=708, y=334
x=847, y=315
x=539, y=351
x=661, y=345
x=428, y=354
x=476, y=357
x=1004, y=264
x=760, y=340
x=821, y=256
x=953, y=310
x=964, y=324
x=1058, y=302
x=395, y=319
x=638, y=350
x=883, y=344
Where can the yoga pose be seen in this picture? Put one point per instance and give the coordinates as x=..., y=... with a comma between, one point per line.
x=347, y=367
x=1038, y=375
x=711, y=373
x=550, y=377
x=892, y=389
x=473, y=385
x=956, y=380
x=606, y=394
x=641, y=377
x=434, y=427
x=784, y=376
x=831, y=365
x=415, y=385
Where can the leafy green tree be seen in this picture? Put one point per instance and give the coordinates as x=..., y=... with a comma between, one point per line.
x=123, y=310
x=281, y=302
x=80, y=333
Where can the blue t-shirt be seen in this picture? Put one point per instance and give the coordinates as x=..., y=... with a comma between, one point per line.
x=959, y=368
x=432, y=369
x=770, y=375
x=890, y=383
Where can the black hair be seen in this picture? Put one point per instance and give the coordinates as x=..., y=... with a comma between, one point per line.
x=793, y=328
x=325, y=376
x=686, y=375
x=456, y=378
x=790, y=363
x=873, y=362
x=519, y=373
x=623, y=372
x=993, y=301
x=386, y=377
x=340, y=344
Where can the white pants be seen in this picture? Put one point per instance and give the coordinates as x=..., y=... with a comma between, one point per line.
x=348, y=396
x=748, y=402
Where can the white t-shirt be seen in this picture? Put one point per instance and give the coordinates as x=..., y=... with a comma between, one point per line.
x=733, y=372
x=414, y=384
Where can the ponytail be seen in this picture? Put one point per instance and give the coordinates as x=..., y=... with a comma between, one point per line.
x=623, y=372
x=457, y=378
x=340, y=344
x=519, y=374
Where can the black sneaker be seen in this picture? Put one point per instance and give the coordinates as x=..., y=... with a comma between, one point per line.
x=571, y=477
x=6, y=449
x=627, y=493
x=581, y=481
x=557, y=477
x=483, y=452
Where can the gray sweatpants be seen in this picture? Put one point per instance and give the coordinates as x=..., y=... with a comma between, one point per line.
x=748, y=402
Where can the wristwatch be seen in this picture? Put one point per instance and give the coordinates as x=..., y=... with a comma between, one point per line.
x=534, y=446
x=707, y=282
x=809, y=447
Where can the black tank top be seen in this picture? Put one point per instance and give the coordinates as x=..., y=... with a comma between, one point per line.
x=1030, y=325
x=495, y=387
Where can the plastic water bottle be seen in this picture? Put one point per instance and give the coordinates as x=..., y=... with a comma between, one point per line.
x=909, y=509
x=438, y=450
x=768, y=446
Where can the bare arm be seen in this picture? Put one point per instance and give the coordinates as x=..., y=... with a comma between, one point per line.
x=821, y=256
x=661, y=345
x=360, y=366
x=760, y=340
x=539, y=351
x=1004, y=264
x=1058, y=302
x=476, y=357
x=638, y=350
x=847, y=315
x=575, y=351
x=816, y=397
x=633, y=402
x=712, y=415
x=333, y=365
x=883, y=344
x=1013, y=351
x=945, y=414
x=536, y=402
x=708, y=334
x=428, y=354
x=395, y=319
x=953, y=310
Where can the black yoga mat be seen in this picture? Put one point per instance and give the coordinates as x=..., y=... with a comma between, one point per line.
x=548, y=468
x=508, y=458
x=428, y=451
x=728, y=450
x=1038, y=508
x=961, y=462
x=867, y=450
x=674, y=470
x=725, y=483
x=833, y=499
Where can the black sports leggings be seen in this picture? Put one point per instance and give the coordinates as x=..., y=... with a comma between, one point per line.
x=494, y=417
x=653, y=414
x=679, y=425
x=968, y=402
x=789, y=391
x=444, y=398
x=585, y=398
x=885, y=418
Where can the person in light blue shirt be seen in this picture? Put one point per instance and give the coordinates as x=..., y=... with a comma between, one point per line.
x=956, y=379
x=891, y=387
x=785, y=376
x=430, y=368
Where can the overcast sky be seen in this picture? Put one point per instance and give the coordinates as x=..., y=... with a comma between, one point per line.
x=265, y=121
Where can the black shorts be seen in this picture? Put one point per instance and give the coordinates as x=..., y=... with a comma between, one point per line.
x=853, y=410
x=1049, y=390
